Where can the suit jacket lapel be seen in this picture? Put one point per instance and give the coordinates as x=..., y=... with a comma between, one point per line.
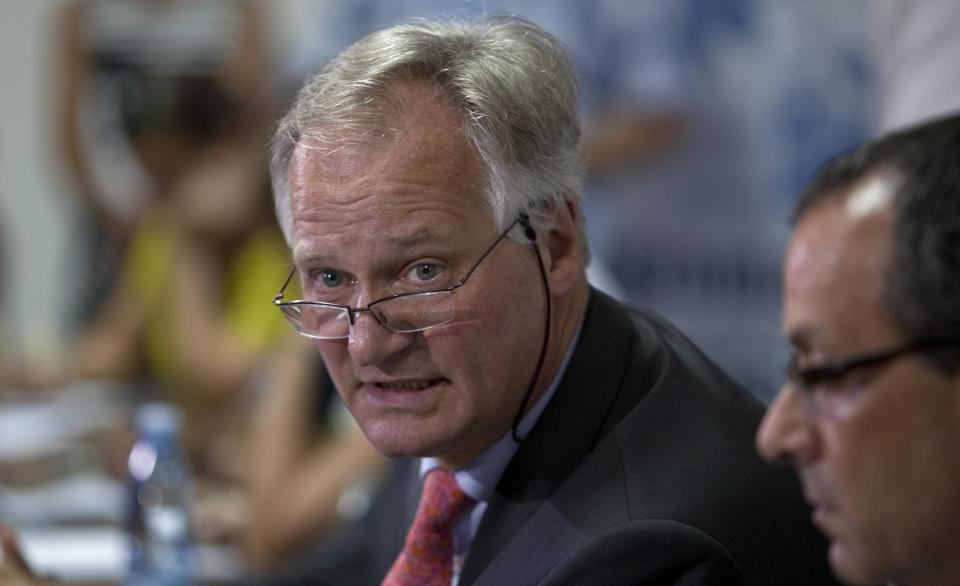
x=578, y=415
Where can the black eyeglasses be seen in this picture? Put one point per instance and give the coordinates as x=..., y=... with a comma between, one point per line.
x=406, y=312
x=809, y=379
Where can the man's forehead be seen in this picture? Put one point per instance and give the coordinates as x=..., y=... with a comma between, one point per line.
x=313, y=161
x=423, y=183
x=400, y=236
x=851, y=228
x=345, y=189
x=430, y=155
x=836, y=268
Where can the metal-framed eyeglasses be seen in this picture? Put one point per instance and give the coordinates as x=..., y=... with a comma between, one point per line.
x=820, y=383
x=406, y=312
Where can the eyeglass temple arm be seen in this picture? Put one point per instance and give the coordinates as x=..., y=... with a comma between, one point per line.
x=489, y=249
x=283, y=287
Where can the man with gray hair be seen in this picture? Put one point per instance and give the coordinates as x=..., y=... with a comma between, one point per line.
x=870, y=413
x=428, y=183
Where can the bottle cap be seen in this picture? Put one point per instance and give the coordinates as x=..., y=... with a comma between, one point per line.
x=159, y=418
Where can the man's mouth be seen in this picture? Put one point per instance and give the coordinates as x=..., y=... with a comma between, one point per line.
x=407, y=385
x=824, y=515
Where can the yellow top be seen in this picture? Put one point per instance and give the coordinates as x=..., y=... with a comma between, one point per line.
x=251, y=281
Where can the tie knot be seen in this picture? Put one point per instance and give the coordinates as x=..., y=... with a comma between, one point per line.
x=442, y=502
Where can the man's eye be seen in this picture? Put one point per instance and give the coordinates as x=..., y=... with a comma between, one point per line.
x=424, y=272
x=859, y=376
x=330, y=279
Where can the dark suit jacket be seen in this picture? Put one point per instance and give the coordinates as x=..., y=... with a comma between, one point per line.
x=641, y=470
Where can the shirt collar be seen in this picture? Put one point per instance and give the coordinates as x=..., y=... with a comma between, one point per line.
x=479, y=478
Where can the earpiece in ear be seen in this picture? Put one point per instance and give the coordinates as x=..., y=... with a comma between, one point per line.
x=528, y=230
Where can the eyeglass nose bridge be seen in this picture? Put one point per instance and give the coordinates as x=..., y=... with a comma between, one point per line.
x=378, y=315
x=820, y=402
x=796, y=383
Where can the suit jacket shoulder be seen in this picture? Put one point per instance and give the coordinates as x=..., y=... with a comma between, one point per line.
x=642, y=470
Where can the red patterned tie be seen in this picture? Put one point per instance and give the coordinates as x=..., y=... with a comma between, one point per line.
x=427, y=556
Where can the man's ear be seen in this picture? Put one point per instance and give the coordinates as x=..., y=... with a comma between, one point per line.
x=562, y=250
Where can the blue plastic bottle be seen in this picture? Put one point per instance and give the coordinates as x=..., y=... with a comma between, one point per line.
x=159, y=521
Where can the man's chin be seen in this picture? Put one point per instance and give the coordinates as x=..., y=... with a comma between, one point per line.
x=851, y=566
x=394, y=439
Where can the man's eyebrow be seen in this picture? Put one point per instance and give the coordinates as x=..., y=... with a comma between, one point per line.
x=301, y=255
x=419, y=236
x=299, y=261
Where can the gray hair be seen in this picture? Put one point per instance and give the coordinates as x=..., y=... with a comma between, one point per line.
x=512, y=82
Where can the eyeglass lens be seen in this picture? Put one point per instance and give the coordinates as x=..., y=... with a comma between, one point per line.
x=406, y=313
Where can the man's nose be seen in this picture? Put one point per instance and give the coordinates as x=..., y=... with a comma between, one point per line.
x=787, y=432
x=370, y=342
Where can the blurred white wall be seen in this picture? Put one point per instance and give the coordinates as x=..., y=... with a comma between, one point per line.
x=33, y=208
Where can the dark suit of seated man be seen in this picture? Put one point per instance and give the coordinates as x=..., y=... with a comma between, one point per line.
x=428, y=182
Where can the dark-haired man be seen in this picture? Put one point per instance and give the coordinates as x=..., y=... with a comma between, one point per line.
x=870, y=414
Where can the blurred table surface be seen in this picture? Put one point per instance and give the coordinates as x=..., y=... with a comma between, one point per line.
x=98, y=556
x=63, y=489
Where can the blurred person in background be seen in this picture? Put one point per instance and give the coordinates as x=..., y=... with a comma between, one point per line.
x=147, y=88
x=870, y=413
x=186, y=323
x=185, y=320
x=310, y=467
x=161, y=117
